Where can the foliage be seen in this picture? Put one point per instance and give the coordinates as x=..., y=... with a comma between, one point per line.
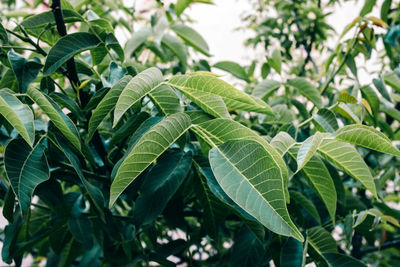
x=122, y=153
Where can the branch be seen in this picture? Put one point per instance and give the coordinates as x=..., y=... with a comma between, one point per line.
x=391, y=244
x=72, y=74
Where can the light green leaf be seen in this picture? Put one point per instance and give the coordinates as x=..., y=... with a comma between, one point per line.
x=26, y=168
x=106, y=105
x=346, y=98
x=393, y=80
x=266, y=88
x=325, y=121
x=236, y=166
x=347, y=158
x=67, y=47
x=282, y=142
x=192, y=38
x=321, y=240
x=181, y=5
x=175, y=45
x=166, y=100
x=369, y=94
x=368, y=137
x=380, y=86
x=306, y=89
x=210, y=85
x=308, y=149
x=233, y=68
x=55, y=114
x=19, y=115
x=275, y=61
x=212, y=104
x=138, y=38
x=344, y=110
x=150, y=146
x=320, y=180
x=136, y=89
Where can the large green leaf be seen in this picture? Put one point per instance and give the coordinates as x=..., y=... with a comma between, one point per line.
x=219, y=131
x=175, y=45
x=366, y=136
x=211, y=85
x=166, y=100
x=367, y=8
x=150, y=146
x=282, y=142
x=106, y=105
x=19, y=115
x=67, y=47
x=191, y=37
x=266, y=88
x=26, y=168
x=300, y=200
x=250, y=177
x=55, y=114
x=136, y=89
x=321, y=240
x=306, y=89
x=233, y=68
x=347, y=158
x=159, y=186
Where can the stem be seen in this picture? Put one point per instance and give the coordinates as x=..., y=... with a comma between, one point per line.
x=28, y=40
x=17, y=47
x=391, y=244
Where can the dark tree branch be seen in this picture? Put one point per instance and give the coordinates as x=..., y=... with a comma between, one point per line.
x=391, y=244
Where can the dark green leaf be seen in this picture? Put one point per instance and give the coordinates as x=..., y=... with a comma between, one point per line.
x=26, y=71
x=291, y=254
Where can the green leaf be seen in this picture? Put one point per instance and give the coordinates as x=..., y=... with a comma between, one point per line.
x=111, y=42
x=136, y=89
x=3, y=35
x=160, y=185
x=266, y=88
x=181, y=5
x=341, y=260
x=344, y=110
x=320, y=180
x=82, y=230
x=325, y=121
x=233, y=68
x=199, y=84
x=175, y=45
x=166, y=100
x=150, y=146
x=26, y=168
x=67, y=47
x=43, y=19
x=346, y=98
x=275, y=61
x=138, y=38
x=66, y=102
x=106, y=105
x=128, y=128
x=305, y=203
x=55, y=114
x=367, y=8
x=380, y=86
x=349, y=160
x=291, y=253
x=249, y=176
x=308, y=149
x=368, y=137
x=282, y=142
x=219, y=131
x=25, y=71
x=19, y=115
x=192, y=38
x=321, y=240
x=393, y=80
x=306, y=89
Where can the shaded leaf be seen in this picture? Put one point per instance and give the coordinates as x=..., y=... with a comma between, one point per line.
x=291, y=253
x=325, y=121
x=25, y=71
x=175, y=45
x=266, y=88
x=341, y=260
x=306, y=89
x=166, y=100
x=192, y=38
